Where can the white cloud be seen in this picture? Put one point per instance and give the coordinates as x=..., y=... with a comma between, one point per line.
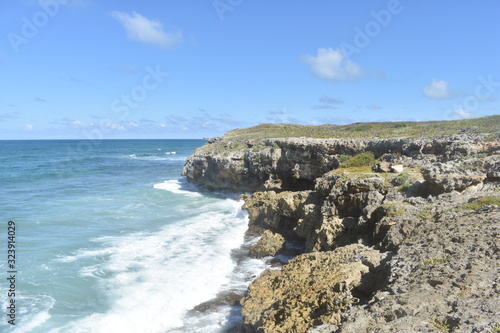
x=278, y=111
x=9, y=115
x=330, y=100
x=323, y=106
x=437, y=89
x=331, y=64
x=202, y=121
x=144, y=30
x=29, y=127
x=461, y=114
x=374, y=107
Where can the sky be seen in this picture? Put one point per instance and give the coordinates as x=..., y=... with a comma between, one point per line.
x=115, y=69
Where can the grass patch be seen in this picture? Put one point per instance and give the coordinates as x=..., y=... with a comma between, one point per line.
x=360, y=160
x=395, y=208
x=481, y=202
x=342, y=158
x=426, y=214
x=404, y=180
x=433, y=261
x=488, y=125
x=403, y=188
x=363, y=169
x=396, y=212
x=447, y=324
x=403, y=177
x=440, y=324
x=464, y=293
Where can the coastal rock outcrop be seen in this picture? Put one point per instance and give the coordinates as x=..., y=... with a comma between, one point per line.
x=453, y=176
x=268, y=245
x=408, y=243
x=312, y=288
x=250, y=165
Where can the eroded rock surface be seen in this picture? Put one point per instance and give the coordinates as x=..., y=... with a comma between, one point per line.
x=312, y=288
x=409, y=244
x=269, y=244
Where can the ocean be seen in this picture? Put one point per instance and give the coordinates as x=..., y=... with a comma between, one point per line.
x=110, y=238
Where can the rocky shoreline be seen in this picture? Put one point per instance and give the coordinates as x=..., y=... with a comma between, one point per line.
x=398, y=234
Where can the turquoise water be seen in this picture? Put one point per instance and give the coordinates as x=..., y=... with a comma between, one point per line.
x=110, y=238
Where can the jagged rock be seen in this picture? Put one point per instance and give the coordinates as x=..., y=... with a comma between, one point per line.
x=382, y=167
x=397, y=168
x=446, y=275
x=447, y=177
x=268, y=245
x=492, y=166
x=310, y=290
x=443, y=266
x=295, y=163
x=357, y=196
x=278, y=212
x=393, y=224
x=213, y=305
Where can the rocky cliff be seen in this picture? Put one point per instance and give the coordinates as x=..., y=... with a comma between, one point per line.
x=399, y=234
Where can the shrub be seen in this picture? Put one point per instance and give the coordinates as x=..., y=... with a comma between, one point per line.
x=482, y=202
x=342, y=158
x=363, y=159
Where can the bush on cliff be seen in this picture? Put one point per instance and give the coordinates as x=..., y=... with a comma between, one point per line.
x=363, y=159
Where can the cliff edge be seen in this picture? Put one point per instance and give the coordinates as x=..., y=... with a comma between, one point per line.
x=399, y=234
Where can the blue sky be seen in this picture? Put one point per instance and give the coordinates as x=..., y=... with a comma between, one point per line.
x=89, y=69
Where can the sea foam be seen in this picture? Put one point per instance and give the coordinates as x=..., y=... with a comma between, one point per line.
x=153, y=279
x=178, y=186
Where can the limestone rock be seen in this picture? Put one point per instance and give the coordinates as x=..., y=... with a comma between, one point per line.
x=446, y=275
x=452, y=176
x=492, y=166
x=310, y=290
x=393, y=224
x=382, y=167
x=268, y=245
x=441, y=267
x=278, y=212
x=397, y=168
x=295, y=163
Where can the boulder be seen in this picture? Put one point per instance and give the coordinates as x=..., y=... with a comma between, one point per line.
x=311, y=290
x=492, y=167
x=397, y=168
x=453, y=176
x=382, y=167
x=268, y=245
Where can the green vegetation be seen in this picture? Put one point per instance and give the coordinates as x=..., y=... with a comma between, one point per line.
x=404, y=178
x=360, y=160
x=342, y=158
x=432, y=261
x=488, y=125
x=358, y=170
x=395, y=212
x=463, y=292
x=447, y=324
x=482, y=202
x=441, y=324
x=426, y=214
x=395, y=208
